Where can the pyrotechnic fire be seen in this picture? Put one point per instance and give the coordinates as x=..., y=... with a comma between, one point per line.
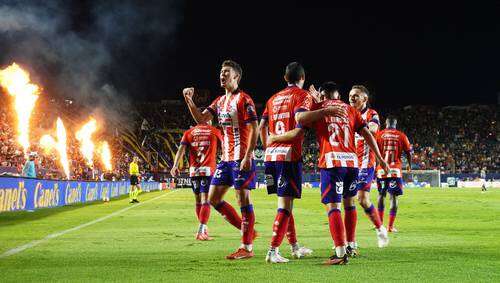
x=106, y=156
x=61, y=146
x=17, y=83
x=48, y=143
x=84, y=135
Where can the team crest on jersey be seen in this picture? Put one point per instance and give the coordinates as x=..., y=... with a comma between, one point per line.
x=203, y=182
x=393, y=184
x=339, y=187
x=250, y=109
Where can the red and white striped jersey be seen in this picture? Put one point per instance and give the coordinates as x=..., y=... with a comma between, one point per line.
x=336, y=135
x=201, y=142
x=392, y=144
x=366, y=156
x=234, y=113
x=280, y=113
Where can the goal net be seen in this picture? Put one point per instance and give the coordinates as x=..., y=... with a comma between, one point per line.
x=422, y=178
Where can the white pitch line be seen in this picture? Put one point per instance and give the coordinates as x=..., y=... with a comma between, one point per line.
x=57, y=234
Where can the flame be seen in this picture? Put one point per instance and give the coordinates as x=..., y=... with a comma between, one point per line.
x=17, y=83
x=61, y=146
x=48, y=143
x=84, y=135
x=106, y=156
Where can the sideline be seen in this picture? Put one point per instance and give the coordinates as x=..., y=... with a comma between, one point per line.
x=57, y=234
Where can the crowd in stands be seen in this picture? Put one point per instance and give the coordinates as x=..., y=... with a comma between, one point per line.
x=12, y=156
x=453, y=139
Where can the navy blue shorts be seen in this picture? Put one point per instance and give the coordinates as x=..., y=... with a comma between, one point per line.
x=337, y=183
x=392, y=185
x=201, y=184
x=365, y=178
x=284, y=178
x=228, y=174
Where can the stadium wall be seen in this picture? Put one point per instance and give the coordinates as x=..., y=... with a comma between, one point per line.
x=30, y=194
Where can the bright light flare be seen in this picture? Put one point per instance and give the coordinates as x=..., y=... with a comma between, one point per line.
x=16, y=82
x=106, y=156
x=84, y=136
x=61, y=147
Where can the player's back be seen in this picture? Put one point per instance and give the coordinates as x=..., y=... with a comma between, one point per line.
x=392, y=144
x=202, y=141
x=280, y=112
x=336, y=136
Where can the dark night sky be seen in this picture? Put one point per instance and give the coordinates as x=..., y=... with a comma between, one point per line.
x=405, y=54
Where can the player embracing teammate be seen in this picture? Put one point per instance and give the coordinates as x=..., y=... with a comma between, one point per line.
x=283, y=160
x=358, y=98
x=236, y=114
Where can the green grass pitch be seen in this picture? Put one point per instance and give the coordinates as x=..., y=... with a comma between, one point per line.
x=444, y=235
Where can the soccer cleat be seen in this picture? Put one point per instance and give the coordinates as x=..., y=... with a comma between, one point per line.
x=241, y=253
x=203, y=237
x=132, y=201
x=351, y=252
x=273, y=256
x=135, y=201
x=300, y=252
x=392, y=230
x=335, y=260
x=383, y=238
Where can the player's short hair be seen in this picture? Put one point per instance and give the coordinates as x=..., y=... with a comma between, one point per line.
x=391, y=120
x=329, y=88
x=362, y=88
x=294, y=72
x=236, y=67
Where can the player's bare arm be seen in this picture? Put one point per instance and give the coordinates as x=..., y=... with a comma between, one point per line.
x=285, y=137
x=252, y=142
x=198, y=116
x=409, y=159
x=372, y=144
x=178, y=157
x=308, y=117
x=263, y=129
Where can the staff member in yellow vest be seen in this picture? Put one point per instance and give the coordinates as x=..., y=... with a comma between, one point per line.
x=135, y=189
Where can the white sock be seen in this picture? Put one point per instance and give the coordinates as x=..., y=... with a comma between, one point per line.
x=247, y=247
x=340, y=251
x=353, y=245
x=295, y=246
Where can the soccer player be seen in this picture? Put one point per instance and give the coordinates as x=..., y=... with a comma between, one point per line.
x=201, y=141
x=235, y=112
x=358, y=98
x=135, y=189
x=482, y=176
x=283, y=160
x=338, y=161
x=392, y=144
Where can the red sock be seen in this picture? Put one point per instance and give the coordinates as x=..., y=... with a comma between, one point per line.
x=290, y=233
x=247, y=223
x=336, y=227
x=229, y=213
x=280, y=227
x=374, y=216
x=204, y=213
x=198, y=208
x=392, y=217
x=350, y=220
x=381, y=216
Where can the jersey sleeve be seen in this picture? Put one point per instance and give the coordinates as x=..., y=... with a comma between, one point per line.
x=213, y=107
x=265, y=114
x=185, y=138
x=249, y=114
x=305, y=104
x=218, y=134
x=375, y=118
x=359, y=123
x=405, y=142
